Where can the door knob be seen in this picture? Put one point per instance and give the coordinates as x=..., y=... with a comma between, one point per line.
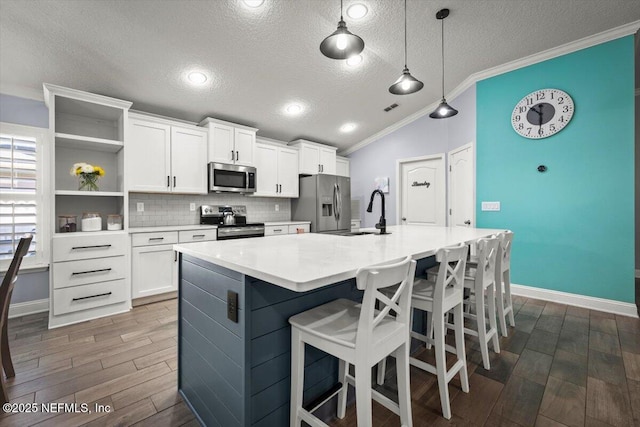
x=404, y=219
x=468, y=222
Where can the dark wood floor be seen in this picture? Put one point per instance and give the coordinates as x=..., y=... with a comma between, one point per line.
x=560, y=366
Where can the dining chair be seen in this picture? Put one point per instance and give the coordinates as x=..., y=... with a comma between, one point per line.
x=437, y=297
x=359, y=335
x=6, y=289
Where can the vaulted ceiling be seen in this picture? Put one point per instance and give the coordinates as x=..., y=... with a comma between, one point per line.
x=259, y=60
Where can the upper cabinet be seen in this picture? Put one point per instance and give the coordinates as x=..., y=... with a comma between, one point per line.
x=277, y=170
x=230, y=143
x=342, y=166
x=315, y=158
x=178, y=163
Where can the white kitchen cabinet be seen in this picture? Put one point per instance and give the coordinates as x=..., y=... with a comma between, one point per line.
x=342, y=166
x=286, y=227
x=315, y=158
x=355, y=225
x=154, y=262
x=178, y=163
x=277, y=170
x=89, y=273
x=230, y=143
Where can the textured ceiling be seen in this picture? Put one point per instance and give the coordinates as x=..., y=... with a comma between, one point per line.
x=259, y=60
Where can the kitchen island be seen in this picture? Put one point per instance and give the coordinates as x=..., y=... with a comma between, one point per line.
x=235, y=299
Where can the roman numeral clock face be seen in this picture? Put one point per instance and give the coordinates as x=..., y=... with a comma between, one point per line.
x=542, y=113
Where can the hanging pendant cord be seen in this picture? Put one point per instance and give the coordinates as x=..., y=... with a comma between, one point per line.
x=405, y=33
x=442, y=57
x=341, y=11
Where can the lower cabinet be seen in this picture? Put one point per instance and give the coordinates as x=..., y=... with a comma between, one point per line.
x=154, y=262
x=286, y=228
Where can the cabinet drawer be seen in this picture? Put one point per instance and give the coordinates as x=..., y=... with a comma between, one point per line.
x=161, y=238
x=274, y=230
x=68, y=248
x=83, y=297
x=355, y=225
x=293, y=229
x=81, y=272
x=197, y=235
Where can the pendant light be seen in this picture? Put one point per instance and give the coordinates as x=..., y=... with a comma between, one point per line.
x=406, y=83
x=342, y=44
x=443, y=110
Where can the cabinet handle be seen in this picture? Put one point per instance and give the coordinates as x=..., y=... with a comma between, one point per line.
x=168, y=181
x=278, y=230
x=92, y=296
x=276, y=188
x=197, y=236
x=175, y=256
x=280, y=188
x=232, y=157
x=90, y=271
x=174, y=182
x=319, y=169
x=156, y=238
x=237, y=156
x=90, y=247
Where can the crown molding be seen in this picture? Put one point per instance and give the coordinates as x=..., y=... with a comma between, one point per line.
x=22, y=92
x=586, y=42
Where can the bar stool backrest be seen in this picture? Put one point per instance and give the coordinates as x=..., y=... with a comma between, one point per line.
x=452, y=261
x=371, y=279
x=488, y=249
x=504, y=252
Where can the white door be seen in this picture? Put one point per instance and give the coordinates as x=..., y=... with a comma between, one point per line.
x=461, y=184
x=244, y=141
x=309, y=159
x=288, y=172
x=188, y=164
x=221, y=143
x=266, y=161
x=422, y=191
x=327, y=161
x=149, y=156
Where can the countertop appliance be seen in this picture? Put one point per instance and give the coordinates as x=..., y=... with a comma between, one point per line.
x=325, y=200
x=231, y=178
x=216, y=215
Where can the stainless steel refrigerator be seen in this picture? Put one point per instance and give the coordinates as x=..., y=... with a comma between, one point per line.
x=325, y=200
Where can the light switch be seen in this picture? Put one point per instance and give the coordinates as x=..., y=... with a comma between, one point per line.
x=192, y=207
x=491, y=206
x=140, y=207
x=277, y=208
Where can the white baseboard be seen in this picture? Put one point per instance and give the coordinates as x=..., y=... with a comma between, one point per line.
x=30, y=307
x=593, y=303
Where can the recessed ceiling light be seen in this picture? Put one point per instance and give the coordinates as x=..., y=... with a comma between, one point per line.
x=357, y=11
x=253, y=3
x=197, y=78
x=348, y=127
x=354, y=60
x=293, y=109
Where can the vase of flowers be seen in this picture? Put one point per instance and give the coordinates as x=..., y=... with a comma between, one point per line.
x=88, y=176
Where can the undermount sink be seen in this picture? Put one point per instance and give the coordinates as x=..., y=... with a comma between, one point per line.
x=350, y=233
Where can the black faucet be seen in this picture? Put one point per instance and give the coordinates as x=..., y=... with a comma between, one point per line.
x=382, y=225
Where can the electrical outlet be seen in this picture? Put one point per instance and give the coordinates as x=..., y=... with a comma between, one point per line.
x=192, y=207
x=140, y=207
x=491, y=206
x=277, y=208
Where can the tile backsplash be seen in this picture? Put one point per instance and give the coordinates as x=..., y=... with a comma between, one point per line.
x=173, y=209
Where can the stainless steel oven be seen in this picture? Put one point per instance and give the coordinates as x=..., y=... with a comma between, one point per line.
x=231, y=178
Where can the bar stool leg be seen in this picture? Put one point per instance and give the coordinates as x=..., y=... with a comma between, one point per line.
x=404, y=389
x=493, y=327
x=458, y=320
x=297, y=377
x=363, y=394
x=441, y=364
x=382, y=370
x=500, y=307
x=507, y=294
x=343, y=370
x=482, y=329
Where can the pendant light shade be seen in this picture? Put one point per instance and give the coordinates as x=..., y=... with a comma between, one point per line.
x=406, y=83
x=341, y=44
x=443, y=110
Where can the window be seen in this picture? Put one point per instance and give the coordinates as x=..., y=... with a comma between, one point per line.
x=24, y=203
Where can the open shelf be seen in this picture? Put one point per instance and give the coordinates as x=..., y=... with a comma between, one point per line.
x=89, y=193
x=89, y=233
x=87, y=142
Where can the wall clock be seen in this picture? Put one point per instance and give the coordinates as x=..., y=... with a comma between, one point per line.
x=542, y=113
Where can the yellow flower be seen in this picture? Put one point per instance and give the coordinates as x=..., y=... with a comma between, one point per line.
x=99, y=170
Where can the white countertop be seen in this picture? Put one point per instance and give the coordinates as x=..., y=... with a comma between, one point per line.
x=303, y=262
x=162, y=228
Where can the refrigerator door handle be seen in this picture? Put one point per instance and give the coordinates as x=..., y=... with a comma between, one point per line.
x=335, y=201
x=338, y=202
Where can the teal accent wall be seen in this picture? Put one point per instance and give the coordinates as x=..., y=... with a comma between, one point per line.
x=574, y=224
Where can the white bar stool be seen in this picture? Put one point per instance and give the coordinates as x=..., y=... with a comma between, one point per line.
x=358, y=334
x=481, y=280
x=438, y=297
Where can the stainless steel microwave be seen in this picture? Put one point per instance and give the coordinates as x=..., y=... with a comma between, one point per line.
x=231, y=178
